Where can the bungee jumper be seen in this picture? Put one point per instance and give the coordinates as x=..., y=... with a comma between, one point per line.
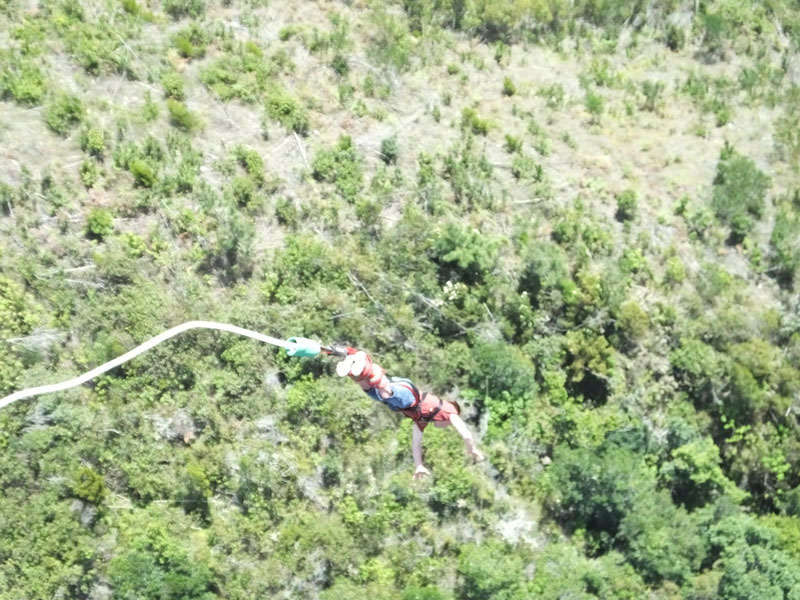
x=399, y=394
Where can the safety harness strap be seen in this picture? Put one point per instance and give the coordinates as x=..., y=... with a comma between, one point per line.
x=418, y=400
x=433, y=413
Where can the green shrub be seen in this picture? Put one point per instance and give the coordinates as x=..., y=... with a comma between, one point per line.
x=181, y=117
x=287, y=111
x=182, y=8
x=564, y=571
x=243, y=74
x=739, y=192
x=785, y=241
x=626, y=205
x=509, y=89
x=154, y=566
x=150, y=109
x=286, y=213
x=472, y=122
x=63, y=113
x=131, y=7
x=391, y=42
x=98, y=48
x=545, y=268
x=491, y=571
x=412, y=592
x=722, y=113
x=593, y=489
x=340, y=65
x=634, y=322
x=699, y=369
x=595, y=105
x=245, y=193
x=787, y=128
x=288, y=32
x=250, y=161
x=513, y=144
x=173, y=85
x=504, y=373
x=662, y=542
x=676, y=38
x=389, y=150
x=21, y=80
x=590, y=364
x=90, y=173
x=653, y=92
x=99, y=224
x=470, y=176
x=633, y=261
x=676, y=271
x=143, y=173
x=93, y=141
x=191, y=41
x=694, y=474
x=340, y=165
x=554, y=95
x=525, y=168
x=89, y=485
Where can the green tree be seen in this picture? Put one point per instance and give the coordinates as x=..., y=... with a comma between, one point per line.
x=89, y=485
x=751, y=561
x=464, y=253
x=695, y=476
x=491, y=571
x=700, y=370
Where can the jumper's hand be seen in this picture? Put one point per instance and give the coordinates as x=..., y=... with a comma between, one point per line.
x=421, y=472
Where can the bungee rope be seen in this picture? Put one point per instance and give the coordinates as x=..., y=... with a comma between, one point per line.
x=295, y=346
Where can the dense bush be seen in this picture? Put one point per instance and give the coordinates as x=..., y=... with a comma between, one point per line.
x=191, y=42
x=21, y=80
x=99, y=224
x=181, y=117
x=243, y=74
x=787, y=127
x=183, y=8
x=287, y=111
x=340, y=165
x=626, y=205
x=739, y=192
x=470, y=121
x=63, y=113
x=784, y=241
x=173, y=85
x=464, y=253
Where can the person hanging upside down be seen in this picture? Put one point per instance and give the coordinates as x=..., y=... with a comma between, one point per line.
x=400, y=395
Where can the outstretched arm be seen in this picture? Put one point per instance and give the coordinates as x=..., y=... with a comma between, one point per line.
x=416, y=451
x=464, y=432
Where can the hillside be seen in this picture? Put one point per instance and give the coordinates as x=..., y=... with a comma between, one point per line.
x=580, y=219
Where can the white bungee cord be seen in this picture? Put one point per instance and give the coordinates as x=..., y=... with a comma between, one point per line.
x=151, y=343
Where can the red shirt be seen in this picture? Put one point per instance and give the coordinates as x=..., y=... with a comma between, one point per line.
x=427, y=406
